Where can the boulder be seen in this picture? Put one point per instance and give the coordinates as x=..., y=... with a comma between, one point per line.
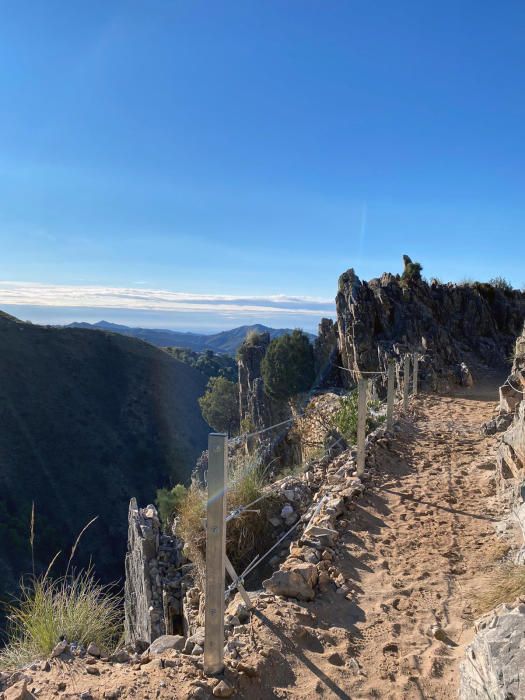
x=510, y=455
x=198, y=637
x=59, y=649
x=19, y=691
x=121, y=657
x=165, y=642
x=325, y=535
x=503, y=421
x=93, y=650
x=297, y=581
x=223, y=690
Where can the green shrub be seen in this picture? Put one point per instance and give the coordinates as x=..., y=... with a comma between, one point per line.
x=209, y=363
x=345, y=420
x=501, y=283
x=220, y=405
x=412, y=271
x=255, y=337
x=76, y=607
x=168, y=501
x=288, y=366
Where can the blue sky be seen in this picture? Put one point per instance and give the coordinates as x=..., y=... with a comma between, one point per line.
x=253, y=150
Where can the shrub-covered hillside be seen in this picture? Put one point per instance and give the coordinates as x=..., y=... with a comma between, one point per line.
x=87, y=420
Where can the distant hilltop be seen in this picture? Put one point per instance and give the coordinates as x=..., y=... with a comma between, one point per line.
x=225, y=341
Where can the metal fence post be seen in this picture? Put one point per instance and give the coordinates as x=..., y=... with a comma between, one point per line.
x=406, y=382
x=215, y=553
x=361, y=425
x=390, y=393
x=414, y=380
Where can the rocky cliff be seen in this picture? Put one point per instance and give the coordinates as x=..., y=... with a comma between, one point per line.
x=258, y=410
x=510, y=420
x=448, y=323
x=254, y=405
x=494, y=662
x=494, y=665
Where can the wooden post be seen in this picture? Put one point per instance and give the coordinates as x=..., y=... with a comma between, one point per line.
x=215, y=553
x=406, y=382
x=414, y=380
x=361, y=425
x=390, y=394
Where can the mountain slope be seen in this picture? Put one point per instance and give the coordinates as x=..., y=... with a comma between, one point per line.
x=87, y=420
x=225, y=341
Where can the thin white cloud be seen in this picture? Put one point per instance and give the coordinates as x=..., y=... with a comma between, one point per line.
x=80, y=296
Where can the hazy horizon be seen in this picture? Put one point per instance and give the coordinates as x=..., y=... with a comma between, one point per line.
x=185, y=323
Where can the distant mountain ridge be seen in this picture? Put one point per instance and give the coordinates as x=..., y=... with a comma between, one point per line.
x=225, y=341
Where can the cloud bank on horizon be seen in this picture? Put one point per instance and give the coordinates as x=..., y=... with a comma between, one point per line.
x=61, y=303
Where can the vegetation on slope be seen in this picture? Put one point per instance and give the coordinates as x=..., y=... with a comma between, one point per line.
x=220, y=405
x=245, y=534
x=87, y=421
x=504, y=585
x=345, y=419
x=210, y=363
x=288, y=367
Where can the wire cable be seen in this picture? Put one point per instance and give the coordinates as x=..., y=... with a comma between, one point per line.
x=518, y=391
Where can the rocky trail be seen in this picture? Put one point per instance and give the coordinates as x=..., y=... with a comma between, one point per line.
x=415, y=548
x=411, y=548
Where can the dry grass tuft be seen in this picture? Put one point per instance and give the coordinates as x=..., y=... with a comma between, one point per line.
x=497, y=551
x=76, y=608
x=191, y=513
x=246, y=534
x=503, y=585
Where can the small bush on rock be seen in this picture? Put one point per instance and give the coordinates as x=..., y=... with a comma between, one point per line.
x=412, y=271
x=288, y=368
x=345, y=420
x=220, y=405
x=168, y=501
x=501, y=283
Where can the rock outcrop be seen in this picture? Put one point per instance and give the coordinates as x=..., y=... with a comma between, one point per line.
x=253, y=402
x=258, y=410
x=494, y=664
x=447, y=323
x=155, y=585
x=326, y=352
x=511, y=418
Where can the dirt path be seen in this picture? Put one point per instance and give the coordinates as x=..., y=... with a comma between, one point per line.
x=437, y=511
x=411, y=549
x=418, y=541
